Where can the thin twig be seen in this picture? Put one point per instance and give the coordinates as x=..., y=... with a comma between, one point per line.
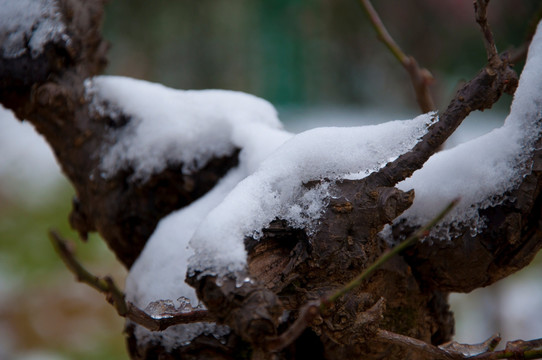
x=306, y=315
x=480, y=11
x=514, y=350
x=472, y=349
x=82, y=275
x=420, y=234
x=116, y=297
x=382, y=32
x=421, y=78
x=519, y=349
x=412, y=343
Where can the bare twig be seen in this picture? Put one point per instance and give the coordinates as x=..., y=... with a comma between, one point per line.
x=116, y=297
x=421, y=78
x=307, y=313
x=472, y=349
x=519, y=349
x=63, y=248
x=480, y=11
x=412, y=343
x=514, y=350
x=520, y=52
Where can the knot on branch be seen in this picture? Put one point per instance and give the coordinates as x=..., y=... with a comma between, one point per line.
x=348, y=321
x=250, y=310
x=488, y=86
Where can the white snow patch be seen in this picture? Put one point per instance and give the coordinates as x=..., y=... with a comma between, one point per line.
x=159, y=272
x=29, y=23
x=28, y=169
x=276, y=189
x=208, y=235
x=491, y=164
x=299, y=119
x=182, y=126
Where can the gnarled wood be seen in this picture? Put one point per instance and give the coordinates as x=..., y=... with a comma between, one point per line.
x=289, y=267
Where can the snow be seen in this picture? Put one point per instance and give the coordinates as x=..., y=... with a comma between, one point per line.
x=299, y=119
x=188, y=127
x=191, y=127
x=169, y=244
x=183, y=126
x=159, y=272
x=28, y=169
x=491, y=164
x=207, y=236
x=29, y=24
x=276, y=189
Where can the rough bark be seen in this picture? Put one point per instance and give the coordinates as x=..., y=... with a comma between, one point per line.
x=49, y=91
x=511, y=240
x=289, y=266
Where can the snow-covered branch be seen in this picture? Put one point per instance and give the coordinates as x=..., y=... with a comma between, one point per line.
x=207, y=186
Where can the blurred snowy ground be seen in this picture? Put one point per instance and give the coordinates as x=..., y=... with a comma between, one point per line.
x=28, y=170
x=44, y=313
x=30, y=177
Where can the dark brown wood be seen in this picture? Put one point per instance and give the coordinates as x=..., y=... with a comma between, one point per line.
x=289, y=267
x=49, y=91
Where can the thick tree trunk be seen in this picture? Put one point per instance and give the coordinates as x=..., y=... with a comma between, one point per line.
x=290, y=267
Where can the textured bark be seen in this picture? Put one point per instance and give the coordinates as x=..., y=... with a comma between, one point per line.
x=343, y=246
x=49, y=92
x=289, y=266
x=511, y=240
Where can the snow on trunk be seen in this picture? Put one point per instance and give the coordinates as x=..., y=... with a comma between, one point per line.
x=181, y=126
x=268, y=182
x=276, y=189
x=29, y=25
x=481, y=169
x=207, y=236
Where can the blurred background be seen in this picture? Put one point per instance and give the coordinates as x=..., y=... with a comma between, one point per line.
x=320, y=63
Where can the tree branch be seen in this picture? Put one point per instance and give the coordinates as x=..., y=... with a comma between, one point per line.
x=125, y=213
x=417, y=236
x=307, y=314
x=116, y=297
x=478, y=94
x=49, y=91
x=411, y=343
x=312, y=309
x=519, y=349
x=421, y=78
x=480, y=11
